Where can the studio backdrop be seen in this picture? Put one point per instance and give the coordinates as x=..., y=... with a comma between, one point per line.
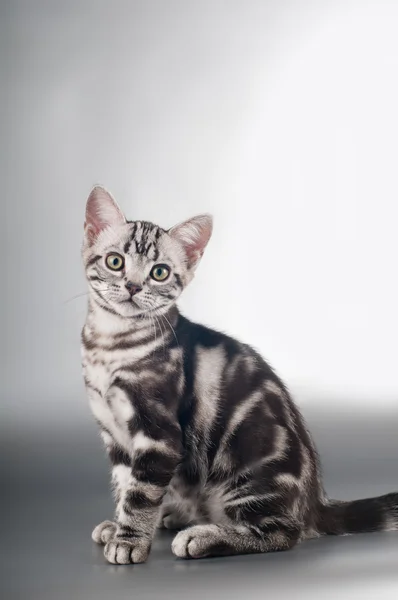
x=279, y=118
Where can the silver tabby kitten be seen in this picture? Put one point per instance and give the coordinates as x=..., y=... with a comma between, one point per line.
x=201, y=433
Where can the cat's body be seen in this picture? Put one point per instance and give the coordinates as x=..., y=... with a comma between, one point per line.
x=200, y=431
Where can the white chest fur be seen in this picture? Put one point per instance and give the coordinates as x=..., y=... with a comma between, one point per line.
x=110, y=405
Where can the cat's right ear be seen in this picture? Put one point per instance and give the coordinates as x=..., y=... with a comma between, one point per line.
x=102, y=211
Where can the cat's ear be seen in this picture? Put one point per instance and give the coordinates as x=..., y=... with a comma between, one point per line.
x=101, y=211
x=193, y=235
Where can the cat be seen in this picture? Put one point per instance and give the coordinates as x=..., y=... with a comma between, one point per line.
x=202, y=435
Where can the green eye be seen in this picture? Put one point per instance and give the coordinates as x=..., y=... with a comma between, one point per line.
x=115, y=262
x=160, y=272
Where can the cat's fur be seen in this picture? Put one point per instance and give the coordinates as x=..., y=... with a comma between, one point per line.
x=201, y=433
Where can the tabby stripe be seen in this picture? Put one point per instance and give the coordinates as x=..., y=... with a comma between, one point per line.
x=104, y=305
x=92, y=387
x=178, y=280
x=154, y=421
x=119, y=457
x=88, y=343
x=137, y=499
x=129, y=344
x=154, y=467
x=128, y=532
x=93, y=260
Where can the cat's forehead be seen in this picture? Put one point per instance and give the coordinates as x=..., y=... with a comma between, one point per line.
x=142, y=239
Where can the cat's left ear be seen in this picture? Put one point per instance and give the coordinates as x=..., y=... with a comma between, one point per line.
x=193, y=235
x=102, y=211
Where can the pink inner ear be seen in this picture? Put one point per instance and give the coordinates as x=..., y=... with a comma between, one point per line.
x=194, y=235
x=101, y=211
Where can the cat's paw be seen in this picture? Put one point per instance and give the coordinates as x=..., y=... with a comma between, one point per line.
x=196, y=542
x=124, y=551
x=104, y=532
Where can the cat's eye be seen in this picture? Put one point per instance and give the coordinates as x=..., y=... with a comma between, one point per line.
x=160, y=272
x=115, y=262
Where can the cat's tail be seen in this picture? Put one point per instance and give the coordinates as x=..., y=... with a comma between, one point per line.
x=359, y=516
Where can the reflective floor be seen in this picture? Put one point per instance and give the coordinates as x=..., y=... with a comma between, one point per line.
x=49, y=555
x=56, y=491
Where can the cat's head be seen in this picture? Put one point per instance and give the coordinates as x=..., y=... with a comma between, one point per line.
x=135, y=267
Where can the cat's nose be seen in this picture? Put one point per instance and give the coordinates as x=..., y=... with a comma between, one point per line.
x=133, y=288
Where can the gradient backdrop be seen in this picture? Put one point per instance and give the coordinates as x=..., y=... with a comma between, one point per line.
x=279, y=117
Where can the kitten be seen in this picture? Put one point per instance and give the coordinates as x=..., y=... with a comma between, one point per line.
x=202, y=434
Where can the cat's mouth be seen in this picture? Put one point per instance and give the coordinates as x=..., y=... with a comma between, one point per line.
x=133, y=301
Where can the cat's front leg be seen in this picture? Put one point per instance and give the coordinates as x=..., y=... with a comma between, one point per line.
x=140, y=491
x=131, y=534
x=106, y=530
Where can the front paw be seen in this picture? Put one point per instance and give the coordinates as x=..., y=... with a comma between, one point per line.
x=198, y=541
x=104, y=532
x=122, y=551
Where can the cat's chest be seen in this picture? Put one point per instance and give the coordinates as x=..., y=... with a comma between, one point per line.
x=98, y=373
x=109, y=404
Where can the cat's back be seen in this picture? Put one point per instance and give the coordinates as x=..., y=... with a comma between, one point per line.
x=219, y=363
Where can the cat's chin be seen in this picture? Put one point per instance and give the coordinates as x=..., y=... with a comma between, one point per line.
x=130, y=308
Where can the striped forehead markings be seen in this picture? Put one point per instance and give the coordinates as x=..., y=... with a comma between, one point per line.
x=144, y=235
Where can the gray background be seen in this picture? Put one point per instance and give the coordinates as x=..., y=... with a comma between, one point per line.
x=280, y=118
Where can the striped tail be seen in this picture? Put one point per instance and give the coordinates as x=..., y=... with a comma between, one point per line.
x=359, y=516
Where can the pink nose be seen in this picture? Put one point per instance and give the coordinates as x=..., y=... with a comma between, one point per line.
x=133, y=288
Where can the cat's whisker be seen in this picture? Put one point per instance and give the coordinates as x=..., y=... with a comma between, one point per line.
x=81, y=295
x=172, y=328
x=162, y=333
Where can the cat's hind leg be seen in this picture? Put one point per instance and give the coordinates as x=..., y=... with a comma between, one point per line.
x=200, y=541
